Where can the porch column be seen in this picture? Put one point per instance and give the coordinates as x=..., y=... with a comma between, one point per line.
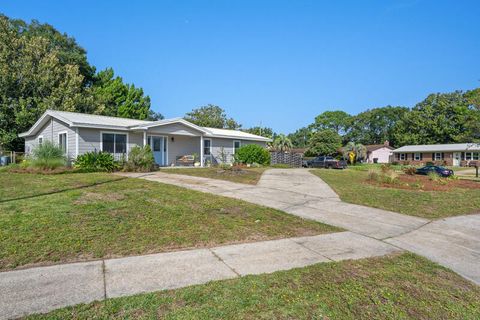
x=144, y=138
x=201, y=150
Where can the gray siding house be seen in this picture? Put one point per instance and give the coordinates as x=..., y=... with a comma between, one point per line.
x=169, y=139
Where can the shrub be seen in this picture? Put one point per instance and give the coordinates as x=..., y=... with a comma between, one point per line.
x=96, y=161
x=373, y=175
x=47, y=156
x=410, y=170
x=429, y=163
x=433, y=176
x=386, y=167
x=390, y=177
x=252, y=153
x=140, y=159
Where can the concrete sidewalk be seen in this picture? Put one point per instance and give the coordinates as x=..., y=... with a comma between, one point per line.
x=43, y=289
x=452, y=242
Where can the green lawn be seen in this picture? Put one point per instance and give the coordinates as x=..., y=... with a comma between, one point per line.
x=393, y=287
x=351, y=186
x=247, y=175
x=124, y=217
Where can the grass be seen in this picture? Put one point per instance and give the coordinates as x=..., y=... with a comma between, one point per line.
x=22, y=185
x=351, y=187
x=247, y=175
x=394, y=287
x=124, y=217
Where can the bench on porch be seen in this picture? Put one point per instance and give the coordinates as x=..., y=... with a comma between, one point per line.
x=186, y=160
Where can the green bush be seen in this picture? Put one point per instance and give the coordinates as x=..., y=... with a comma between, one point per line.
x=252, y=153
x=410, y=170
x=140, y=160
x=96, y=161
x=47, y=156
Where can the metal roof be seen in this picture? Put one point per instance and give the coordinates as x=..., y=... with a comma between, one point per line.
x=75, y=119
x=439, y=147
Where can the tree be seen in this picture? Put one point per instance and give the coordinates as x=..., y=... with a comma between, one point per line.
x=354, y=152
x=301, y=137
x=261, y=131
x=440, y=118
x=68, y=51
x=282, y=143
x=32, y=79
x=337, y=121
x=324, y=142
x=211, y=116
x=375, y=126
x=117, y=99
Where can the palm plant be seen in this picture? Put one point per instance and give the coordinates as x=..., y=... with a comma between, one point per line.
x=282, y=143
x=354, y=151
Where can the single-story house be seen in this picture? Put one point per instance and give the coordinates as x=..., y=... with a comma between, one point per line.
x=457, y=154
x=170, y=139
x=379, y=153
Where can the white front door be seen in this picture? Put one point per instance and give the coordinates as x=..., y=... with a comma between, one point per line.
x=159, y=149
x=456, y=158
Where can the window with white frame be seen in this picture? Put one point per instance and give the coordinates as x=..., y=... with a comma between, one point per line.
x=114, y=143
x=403, y=156
x=472, y=155
x=417, y=156
x=62, y=141
x=207, y=147
x=40, y=140
x=438, y=156
x=236, y=145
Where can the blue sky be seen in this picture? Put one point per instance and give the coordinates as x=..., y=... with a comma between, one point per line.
x=275, y=63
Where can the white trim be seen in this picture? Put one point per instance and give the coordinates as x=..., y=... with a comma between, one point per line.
x=240, y=145
x=169, y=121
x=201, y=151
x=38, y=138
x=76, y=142
x=144, y=138
x=419, y=156
x=402, y=155
x=440, y=156
x=115, y=132
x=66, y=140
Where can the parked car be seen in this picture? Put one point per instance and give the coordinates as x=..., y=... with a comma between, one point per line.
x=441, y=171
x=325, y=162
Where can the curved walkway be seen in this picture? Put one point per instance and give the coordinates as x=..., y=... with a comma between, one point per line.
x=453, y=242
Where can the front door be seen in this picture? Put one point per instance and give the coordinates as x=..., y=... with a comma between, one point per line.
x=456, y=158
x=159, y=149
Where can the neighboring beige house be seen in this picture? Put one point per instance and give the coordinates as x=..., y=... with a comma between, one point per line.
x=379, y=153
x=455, y=154
x=170, y=139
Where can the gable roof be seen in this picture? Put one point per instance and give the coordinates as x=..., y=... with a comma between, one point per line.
x=83, y=120
x=439, y=147
x=373, y=147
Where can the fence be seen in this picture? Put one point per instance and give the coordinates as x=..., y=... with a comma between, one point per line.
x=291, y=159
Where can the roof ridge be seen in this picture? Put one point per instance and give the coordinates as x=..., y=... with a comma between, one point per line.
x=95, y=115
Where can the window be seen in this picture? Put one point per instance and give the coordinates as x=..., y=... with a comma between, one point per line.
x=62, y=141
x=471, y=155
x=40, y=140
x=236, y=145
x=403, y=156
x=417, y=156
x=438, y=156
x=114, y=143
x=207, y=147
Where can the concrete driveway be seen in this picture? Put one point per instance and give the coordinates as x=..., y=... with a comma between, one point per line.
x=452, y=242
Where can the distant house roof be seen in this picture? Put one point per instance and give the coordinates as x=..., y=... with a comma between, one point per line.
x=439, y=147
x=373, y=147
x=83, y=120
